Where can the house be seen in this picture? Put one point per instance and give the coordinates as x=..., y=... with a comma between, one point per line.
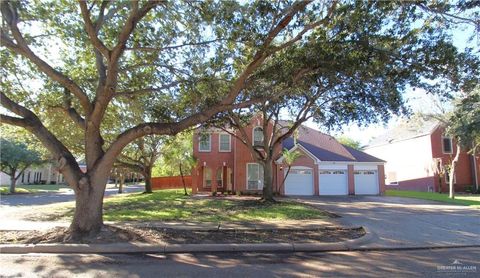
x=46, y=173
x=418, y=153
x=325, y=167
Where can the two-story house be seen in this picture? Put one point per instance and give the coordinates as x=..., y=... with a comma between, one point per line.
x=325, y=166
x=418, y=154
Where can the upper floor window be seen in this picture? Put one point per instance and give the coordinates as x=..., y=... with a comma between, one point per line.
x=205, y=143
x=224, y=142
x=447, y=145
x=258, y=136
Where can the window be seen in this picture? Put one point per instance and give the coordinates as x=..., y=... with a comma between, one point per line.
x=447, y=144
x=204, y=144
x=220, y=177
x=258, y=136
x=224, y=143
x=207, y=177
x=254, y=176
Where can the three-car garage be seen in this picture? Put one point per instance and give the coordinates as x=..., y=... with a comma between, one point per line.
x=332, y=180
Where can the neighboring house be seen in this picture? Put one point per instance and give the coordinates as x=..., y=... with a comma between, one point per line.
x=326, y=167
x=418, y=154
x=42, y=174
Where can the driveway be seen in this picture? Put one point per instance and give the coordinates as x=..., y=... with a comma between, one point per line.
x=397, y=221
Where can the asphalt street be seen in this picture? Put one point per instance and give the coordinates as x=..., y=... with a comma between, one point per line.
x=415, y=263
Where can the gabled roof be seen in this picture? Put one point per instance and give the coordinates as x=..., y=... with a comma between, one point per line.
x=405, y=130
x=326, y=148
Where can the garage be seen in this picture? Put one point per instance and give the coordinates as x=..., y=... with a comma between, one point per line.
x=299, y=182
x=333, y=182
x=366, y=182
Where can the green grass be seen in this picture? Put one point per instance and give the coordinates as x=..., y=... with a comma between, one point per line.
x=33, y=188
x=166, y=205
x=6, y=191
x=466, y=200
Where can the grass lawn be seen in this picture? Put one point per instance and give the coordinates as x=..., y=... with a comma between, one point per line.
x=466, y=200
x=33, y=188
x=164, y=205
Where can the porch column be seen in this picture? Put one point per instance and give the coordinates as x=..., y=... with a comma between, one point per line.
x=225, y=177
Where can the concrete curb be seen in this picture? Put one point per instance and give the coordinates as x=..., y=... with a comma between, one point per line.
x=184, y=248
x=348, y=245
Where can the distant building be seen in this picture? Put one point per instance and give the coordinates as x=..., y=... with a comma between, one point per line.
x=418, y=154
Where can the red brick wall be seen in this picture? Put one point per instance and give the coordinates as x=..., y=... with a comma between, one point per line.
x=464, y=171
x=381, y=179
x=170, y=182
x=215, y=160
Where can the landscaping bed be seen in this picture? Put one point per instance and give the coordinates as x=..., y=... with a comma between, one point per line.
x=112, y=234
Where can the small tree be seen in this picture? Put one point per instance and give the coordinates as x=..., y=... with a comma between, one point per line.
x=140, y=157
x=464, y=126
x=15, y=159
x=177, y=153
x=288, y=159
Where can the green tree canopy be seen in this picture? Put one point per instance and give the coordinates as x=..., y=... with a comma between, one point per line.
x=15, y=158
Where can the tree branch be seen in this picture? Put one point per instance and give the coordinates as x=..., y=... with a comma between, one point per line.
x=10, y=15
x=92, y=30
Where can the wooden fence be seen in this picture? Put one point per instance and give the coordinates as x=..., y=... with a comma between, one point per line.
x=171, y=182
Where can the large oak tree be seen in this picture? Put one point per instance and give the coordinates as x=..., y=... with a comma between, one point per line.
x=92, y=58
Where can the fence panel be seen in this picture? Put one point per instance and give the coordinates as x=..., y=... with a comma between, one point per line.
x=171, y=182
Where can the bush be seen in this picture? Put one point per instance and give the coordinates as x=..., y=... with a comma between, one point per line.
x=214, y=193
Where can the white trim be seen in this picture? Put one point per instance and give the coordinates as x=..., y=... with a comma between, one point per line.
x=451, y=144
x=364, y=167
x=352, y=163
x=333, y=166
x=246, y=176
x=253, y=135
x=229, y=142
x=298, y=146
x=209, y=143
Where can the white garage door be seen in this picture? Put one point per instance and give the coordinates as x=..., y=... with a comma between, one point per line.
x=299, y=182
x=366, y=182
x=333, y=182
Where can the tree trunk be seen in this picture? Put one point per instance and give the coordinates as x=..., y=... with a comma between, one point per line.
x=88, y=217
x=148, y=180
x=122, y=181
x=183, y=179
x=13, y=181
x=268, y=181
x=452, y=173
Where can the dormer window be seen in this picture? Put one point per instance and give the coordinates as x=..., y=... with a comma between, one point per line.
x=447, y=145
x=258, y=136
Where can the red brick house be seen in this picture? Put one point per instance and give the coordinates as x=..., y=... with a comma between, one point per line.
x=417, y=153
x=325, y=167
